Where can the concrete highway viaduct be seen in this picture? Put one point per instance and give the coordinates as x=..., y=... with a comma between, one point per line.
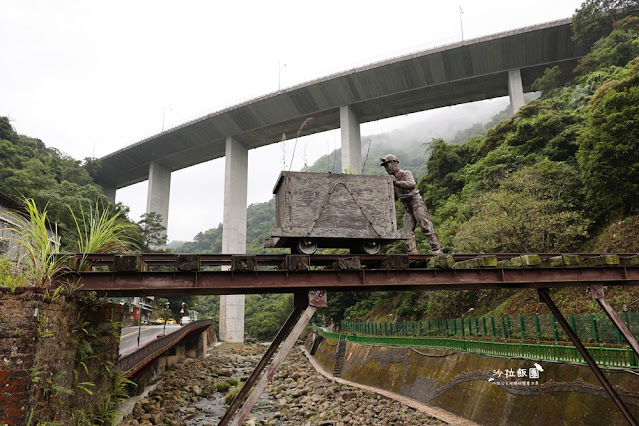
x=483, y=68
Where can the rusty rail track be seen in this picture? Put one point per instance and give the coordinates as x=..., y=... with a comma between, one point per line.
x=168, y=274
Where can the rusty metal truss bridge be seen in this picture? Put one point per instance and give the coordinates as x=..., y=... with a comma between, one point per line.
x=310, y=277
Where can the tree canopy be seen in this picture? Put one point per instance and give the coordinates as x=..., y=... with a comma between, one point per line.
x=31, y=170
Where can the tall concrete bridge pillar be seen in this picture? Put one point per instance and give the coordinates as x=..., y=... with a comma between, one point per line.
x=159, y=191
x=109, y=191
x=515, y=90
x=351, y=140
x=234, y=234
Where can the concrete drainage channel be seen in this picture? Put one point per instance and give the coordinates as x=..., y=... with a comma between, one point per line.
x=435, y=412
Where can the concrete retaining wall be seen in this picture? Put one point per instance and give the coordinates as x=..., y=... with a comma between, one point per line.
x=472, y=387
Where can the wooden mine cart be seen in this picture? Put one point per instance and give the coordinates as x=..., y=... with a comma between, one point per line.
x=333, y=210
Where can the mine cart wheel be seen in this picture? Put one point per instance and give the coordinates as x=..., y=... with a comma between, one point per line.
x=371, y=246
x=306, y=246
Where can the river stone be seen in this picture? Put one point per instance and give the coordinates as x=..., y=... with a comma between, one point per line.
x=348, y=395
x=225, y=372
x=318, y=400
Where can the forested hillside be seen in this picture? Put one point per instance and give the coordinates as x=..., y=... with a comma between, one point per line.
x=28, y=168
x=61, y=185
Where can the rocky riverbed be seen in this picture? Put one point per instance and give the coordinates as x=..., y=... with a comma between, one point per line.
x=194, y=393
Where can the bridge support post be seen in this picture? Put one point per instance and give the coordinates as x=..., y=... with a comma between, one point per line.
x=157, y=200
x=351, y=140
x=597, y=292
x=234, y=234
x=544, y=295
x=515, y=90
x=109, y=191
x=316, y=299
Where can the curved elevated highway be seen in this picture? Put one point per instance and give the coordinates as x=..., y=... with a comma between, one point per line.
x=458, y=73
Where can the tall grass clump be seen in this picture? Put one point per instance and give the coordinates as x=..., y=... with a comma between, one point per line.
x=100, y=233
x=39, y=262
x=9, y=278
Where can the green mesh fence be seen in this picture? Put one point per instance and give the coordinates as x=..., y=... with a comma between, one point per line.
x=604, y=356
x=591, y=328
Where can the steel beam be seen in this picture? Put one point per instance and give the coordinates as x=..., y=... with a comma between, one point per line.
x=316, y=299
x=597, y=292
x=544, y=295
x=207, y=259
x=284, y=331
x=257, y=282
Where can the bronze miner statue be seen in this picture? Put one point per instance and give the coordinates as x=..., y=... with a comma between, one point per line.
x=416, y=211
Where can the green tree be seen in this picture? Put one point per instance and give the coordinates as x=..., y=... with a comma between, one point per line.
x=549, y=83
x=531, y=211
x=617, y=49
x=336, y=307
x=209, y=241
x=609, y=148
x=152, y=232
x=595, y=18
x=444, y=164
x=266, y=313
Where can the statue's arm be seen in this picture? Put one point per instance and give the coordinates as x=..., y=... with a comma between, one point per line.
x=406, y=181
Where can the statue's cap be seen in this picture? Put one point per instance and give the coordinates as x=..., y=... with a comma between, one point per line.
x=387, y=159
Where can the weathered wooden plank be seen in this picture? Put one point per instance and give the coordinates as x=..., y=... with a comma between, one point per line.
x=347, y=263
x=477, y=262
x=187, y=262
x=560, y=261
x=443, y=262
x=487, y=261
x=553, y=262
x=604, y=259
x=467, y=264
x=129, y=263
x=523, y=261
x=629, y=261
x=394, y=261
x=571, y=260
x=298, y=262
x=243, y=263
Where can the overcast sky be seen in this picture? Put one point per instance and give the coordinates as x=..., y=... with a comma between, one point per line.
x=91, y=77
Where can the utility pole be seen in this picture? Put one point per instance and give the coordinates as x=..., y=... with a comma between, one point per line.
x=461, y=24
x=279, y=75
x=163, y=113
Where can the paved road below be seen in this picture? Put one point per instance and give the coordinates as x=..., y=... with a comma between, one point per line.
x=129, y=335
